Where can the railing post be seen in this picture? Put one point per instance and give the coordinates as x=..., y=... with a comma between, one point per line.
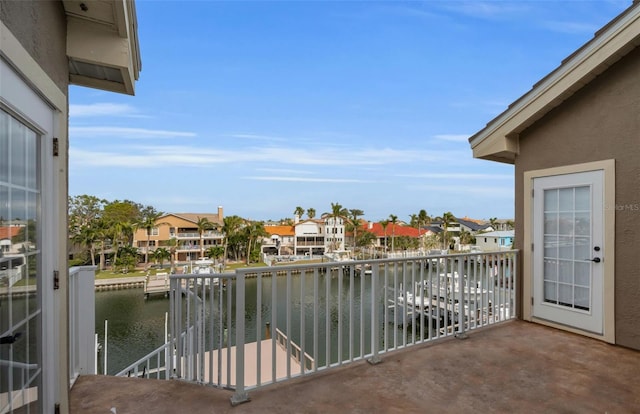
x=240, y=395
x=461, y=311
x=375, y=315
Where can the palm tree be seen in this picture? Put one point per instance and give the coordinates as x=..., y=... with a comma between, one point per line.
x=423, y=220
x=231, y=226
x=337, y=211
x=121, y=231
x=353, y=217
x=299, y=211
x=160, y=255
x=172, y=244
x=393, y=219
x=311, y=213
x=384, y=224
x=87, y=237
x=493, y=222
x=148, y=222
x=203, y=225
x=253, y=231
x=447, y=219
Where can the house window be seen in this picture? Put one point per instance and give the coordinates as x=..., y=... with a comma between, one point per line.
x=154, y=231
x=485, y=239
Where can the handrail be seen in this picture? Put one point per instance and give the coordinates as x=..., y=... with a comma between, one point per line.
x=337, y=314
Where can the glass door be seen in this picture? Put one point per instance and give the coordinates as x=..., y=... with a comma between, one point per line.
x=20, y=262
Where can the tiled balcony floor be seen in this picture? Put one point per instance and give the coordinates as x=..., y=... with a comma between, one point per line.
x=515, y=367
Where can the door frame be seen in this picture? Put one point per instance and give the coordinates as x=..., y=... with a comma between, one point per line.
x=608, y=249
x=54, y=346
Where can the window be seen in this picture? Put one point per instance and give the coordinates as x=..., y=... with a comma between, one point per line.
x=154, y=231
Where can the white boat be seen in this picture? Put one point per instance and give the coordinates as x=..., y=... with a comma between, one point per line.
x=204, y=266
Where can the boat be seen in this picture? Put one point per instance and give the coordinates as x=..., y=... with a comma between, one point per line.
x=204, y=266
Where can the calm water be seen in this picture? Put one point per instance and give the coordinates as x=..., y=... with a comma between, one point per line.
x=136, y=326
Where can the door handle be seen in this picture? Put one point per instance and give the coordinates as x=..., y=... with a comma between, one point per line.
x=6, y=340
x=596, y=260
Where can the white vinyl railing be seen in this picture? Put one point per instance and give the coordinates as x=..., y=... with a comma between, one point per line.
x=328, y=314
x=81, y=321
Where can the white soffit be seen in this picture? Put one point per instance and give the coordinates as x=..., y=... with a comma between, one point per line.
x=102, y=44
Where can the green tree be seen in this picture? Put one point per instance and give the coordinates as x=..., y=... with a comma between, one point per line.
x=253, y=231
x=365, y=239
x=299, y=211
x=384, y=224
x=87, y=237
x=337, y=211
x=493, y=222
x=172, y=244
x=423, y=220
x=354, y=215
x=160, y=255
x=203, y=225
x=231, y=228
x=148, y=222
x=215, y=252
x=447, y=219
x=393, y=219
x=311, y=213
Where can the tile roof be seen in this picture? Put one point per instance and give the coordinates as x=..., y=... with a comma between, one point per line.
x=376, y=228
x=9, y=232
x=280, y=230
x=193, y=217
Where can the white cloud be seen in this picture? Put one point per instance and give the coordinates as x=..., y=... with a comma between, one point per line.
x=307, y=179
x=124, y=132
x=453, y=137
x=283, y=171
x=103, y=109
x=257, y=137
x=460, y=176
x=570, y=27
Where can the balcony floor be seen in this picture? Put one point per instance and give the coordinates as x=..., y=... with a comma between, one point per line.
x=512, y=367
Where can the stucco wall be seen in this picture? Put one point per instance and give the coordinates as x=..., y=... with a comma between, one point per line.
x=41, y=28
x=601, y=121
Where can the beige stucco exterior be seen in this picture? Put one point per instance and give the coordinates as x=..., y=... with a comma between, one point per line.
x=183, y=228
x=600, y=122
x=584, y=115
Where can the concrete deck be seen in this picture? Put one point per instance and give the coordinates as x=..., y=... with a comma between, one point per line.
x=514, y=367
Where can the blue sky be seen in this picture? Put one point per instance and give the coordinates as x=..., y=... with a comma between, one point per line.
x=263, y=106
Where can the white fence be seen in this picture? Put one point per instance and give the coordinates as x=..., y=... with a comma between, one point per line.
x=81, y=321
x=332, y=313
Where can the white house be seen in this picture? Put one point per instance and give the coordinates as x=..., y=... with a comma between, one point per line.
x=495, y=240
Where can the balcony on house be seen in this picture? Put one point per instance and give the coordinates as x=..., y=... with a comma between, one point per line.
x=410, y=335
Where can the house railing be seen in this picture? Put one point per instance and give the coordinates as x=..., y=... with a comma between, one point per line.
x=82, y=342
x=335, y=313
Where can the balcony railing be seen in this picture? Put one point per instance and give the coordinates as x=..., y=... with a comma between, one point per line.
x=327, y=315
x=82, y=340
x=196, y=235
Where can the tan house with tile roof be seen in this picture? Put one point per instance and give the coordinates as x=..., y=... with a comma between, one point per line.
x=184, y=229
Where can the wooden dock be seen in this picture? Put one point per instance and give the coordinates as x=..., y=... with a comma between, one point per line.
x=158, y=283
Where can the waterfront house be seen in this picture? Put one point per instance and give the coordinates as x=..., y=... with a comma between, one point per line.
x=281, y=240
x=310, y=237
x=45, y=47
x=495, y=240
x=574, y=142
x=184, y=228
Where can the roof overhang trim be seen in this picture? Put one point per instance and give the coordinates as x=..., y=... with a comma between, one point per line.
x=498, y=141
x=102, y=44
